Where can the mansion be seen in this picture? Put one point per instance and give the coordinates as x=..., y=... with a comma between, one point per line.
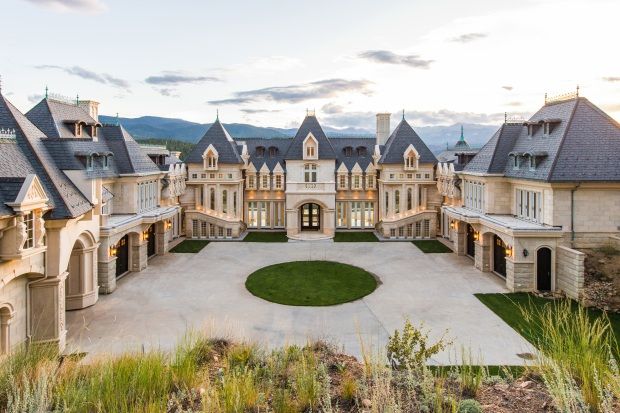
x=82, y=203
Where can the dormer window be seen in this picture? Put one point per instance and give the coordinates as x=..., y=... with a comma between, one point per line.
x=357, y=182
x=93, y=131
x=29, y=227
x=311, y=147
x=546, y=129
x=210, y=157
x=251, y=181
x=348, y=151
x=78, y=129
x=361, y=151
x=310, y=152
x=530, y=130
x=342, y=181
x=260, y=151
x=106, y=162
x=532, y=163
x=370, y=181
x=516, y=162
x=273, y=151
x=89, y=162
x=278, y=182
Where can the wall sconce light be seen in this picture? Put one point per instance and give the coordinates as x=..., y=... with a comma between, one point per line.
x=168, y=224
x=145, y=235
x=509, y=251
x=525, y=252
x=476, y=235
x=452, y=224
x=113, y=251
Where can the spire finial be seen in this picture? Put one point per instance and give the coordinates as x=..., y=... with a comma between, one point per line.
x=506, y=117
x=217, y=115
x=577, y=90
x=403, y=114
x=545, y=98
x=77, y=100
x=462, y=137
x=117, y=120
x=46, y=92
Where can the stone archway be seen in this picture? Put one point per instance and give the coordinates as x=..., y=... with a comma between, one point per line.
x=310, y=218
x=6, y=316
x=81, y=288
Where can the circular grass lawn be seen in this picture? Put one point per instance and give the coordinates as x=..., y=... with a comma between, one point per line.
x=311, y=283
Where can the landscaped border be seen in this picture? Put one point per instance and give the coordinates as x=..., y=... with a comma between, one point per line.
x=268, y=236
x=189, y=246
x=431, y=246
x=355, y=236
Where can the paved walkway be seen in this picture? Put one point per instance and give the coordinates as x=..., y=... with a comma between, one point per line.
x=206, y=291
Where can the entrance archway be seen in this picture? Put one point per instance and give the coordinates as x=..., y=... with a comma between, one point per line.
x=471, y=246
x=499, y=256
x=310, y=217
x=6, y=315
x=81, y=284
x=122, y=256
x=543, y=269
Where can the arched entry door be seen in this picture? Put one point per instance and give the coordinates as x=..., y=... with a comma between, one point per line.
x=151, y=241
x=499, y=256
x=543, y=269
x=122, y=256
x=471, y=247
x=310, y=217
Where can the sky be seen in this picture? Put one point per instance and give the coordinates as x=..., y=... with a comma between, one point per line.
x=266, y=62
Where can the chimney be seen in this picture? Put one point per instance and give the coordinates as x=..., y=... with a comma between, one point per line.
x=383, y=127
x=91, y=107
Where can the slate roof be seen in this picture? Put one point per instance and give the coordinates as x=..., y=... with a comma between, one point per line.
x=65, y=198
x=310, y=124
x=339, y=145
x=582, y=146
x=223, y=143
x=129, y=158
x=399, y=140
x=51, y=117
x=281, y=145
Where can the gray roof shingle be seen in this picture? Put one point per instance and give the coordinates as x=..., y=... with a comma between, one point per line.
x=310, y=124
x=223, y=143
x=399, y=141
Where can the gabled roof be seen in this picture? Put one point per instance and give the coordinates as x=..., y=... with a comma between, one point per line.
x=399, y=141
x=339, y=144
x=221, y=140
x=54, y=117
x=310, y=125
x=280, y=144
x=66, y=200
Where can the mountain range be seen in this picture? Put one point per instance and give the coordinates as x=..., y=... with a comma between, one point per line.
x=435, y=137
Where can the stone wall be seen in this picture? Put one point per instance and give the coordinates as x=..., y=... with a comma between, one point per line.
x=570, y=269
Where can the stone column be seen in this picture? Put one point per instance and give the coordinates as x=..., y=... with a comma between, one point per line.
x=483, y=256
x=162, y=235
x=460, y=238
x=106, y=268
x=139, y=253
x=46, y=311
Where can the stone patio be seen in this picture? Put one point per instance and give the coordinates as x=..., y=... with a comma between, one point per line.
x=206, y=291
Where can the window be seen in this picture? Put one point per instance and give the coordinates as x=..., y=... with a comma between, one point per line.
x=203, y=176
x=105, y=161
x=387, y=202
x=356, y=214
x=529, y=205
x=194, y=176
x=530, y=130
x=230, y=176
x=251, y=182
x=310, y=151
x=418, y=229
x=260, y=151
x=234, y=198
x=211, y=176
x=273, y=151
x=361, y=151
x=147, y=195
x=369, y=214
x=546, y=129
x=532, y=163
x=264, y=182
x=427, y=229
x=263, y=208
x=89, y=163
x=195, y=233
x=211, y=231
x=474, y=195
x=348, y=151
x=342, y=181
x=418, y=176
x=220, y=232
x=411, y=162
x=357, y=182
x=279, y=211
x=370, y=181
x=212, y=199
x=29, y=223
x=253, y=214
x=310, y=172
x=409, y=176
x=409, y=199
x=278, y=179
x=78, y=129
x=391, y=176
x=211, y=160
x=228, y=232
x=341, y=214
x=203, y=229
x=516, y=161
x=397, y=201
x=225, y=201
x=427, y=176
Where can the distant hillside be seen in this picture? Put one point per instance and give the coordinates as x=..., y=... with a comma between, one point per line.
x=155, y=127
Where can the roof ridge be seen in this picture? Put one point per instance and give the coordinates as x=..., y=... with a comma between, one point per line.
x=501, y=130
x=562, y=140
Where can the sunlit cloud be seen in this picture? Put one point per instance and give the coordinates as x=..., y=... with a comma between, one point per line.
x=80, y=6
x=468, y=37
x=83, y=73
x=388, y=57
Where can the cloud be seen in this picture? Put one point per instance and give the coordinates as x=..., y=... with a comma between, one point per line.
x=387, y=57
x=612, y=79
x=331, y=108
x=508, y=88
x=255, y=111
x=177, y=79
x=36, y=98
x=89, y=75
x=468, y=37
x=167, y=92
x=81, y=6
x=320, y=89
x=514, y=103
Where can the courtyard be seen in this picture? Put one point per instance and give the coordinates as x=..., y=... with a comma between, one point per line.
x=206, y=291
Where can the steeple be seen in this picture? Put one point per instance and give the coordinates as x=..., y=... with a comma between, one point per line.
x=462, y=138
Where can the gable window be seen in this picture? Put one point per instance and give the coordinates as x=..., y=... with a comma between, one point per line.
x=78, y=130
x=370, y=181
x=411, y=160
x=357, y=182
x=264, y=181
x=210, y=158
x=89, y=163
x=251, y=181
x=278, y=179
x=29, y=223
x=310, y=172
x=342, y=181
x=310, y=151
x=106, y=162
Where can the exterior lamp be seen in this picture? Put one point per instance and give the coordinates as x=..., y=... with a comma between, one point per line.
x=525, y=252
x=509, y=251
x=476, y=235
x=145, y=235
x=113, y=251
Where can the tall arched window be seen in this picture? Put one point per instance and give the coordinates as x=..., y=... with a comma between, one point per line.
x=397, y=201
x=224, y=201
x=234, y=195
x=409, y=199
x=212, y=199
x=387, y=202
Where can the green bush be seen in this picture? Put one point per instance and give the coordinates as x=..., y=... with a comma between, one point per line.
x=410, y=349
x=469, y=406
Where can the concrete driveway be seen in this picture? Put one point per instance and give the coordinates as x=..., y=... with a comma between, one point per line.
x=206, y=291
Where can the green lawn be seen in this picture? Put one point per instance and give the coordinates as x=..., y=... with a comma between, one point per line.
x=311, y=283
x=431, y=246
x=190, y=246
x=506, y=306
x=355, y=237
x=266, y=237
